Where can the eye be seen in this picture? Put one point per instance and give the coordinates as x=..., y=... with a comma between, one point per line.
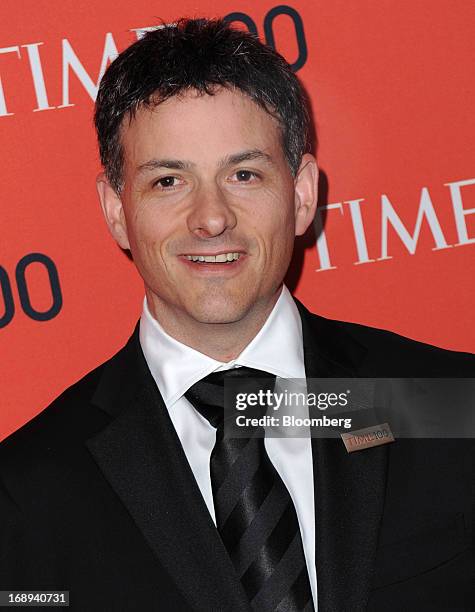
x=245, y=176
x=167, y=182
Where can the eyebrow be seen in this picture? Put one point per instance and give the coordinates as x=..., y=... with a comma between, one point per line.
x=243, y=156
x=229, y=160
x=155, y=164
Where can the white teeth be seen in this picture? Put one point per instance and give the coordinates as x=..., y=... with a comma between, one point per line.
x=221, y=258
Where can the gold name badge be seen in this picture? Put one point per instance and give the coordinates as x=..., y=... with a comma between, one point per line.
x=367, y=437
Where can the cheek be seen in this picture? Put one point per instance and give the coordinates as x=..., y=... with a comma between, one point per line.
x=150, y=227
x=147, y=242
x=277, y=239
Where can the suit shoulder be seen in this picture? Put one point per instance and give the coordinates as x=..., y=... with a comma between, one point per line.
x=76, y=414
x=377, y=336
x=50, y=450
x=70, y=417
x=405, y=356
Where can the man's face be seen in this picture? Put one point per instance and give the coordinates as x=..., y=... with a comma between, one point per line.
x=206, y=177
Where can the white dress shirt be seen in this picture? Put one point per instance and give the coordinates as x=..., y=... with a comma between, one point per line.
x=278, y=349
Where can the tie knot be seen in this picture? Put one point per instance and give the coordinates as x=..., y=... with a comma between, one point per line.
x=208, y=394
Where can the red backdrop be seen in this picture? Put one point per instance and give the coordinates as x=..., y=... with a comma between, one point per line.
x=392, y=90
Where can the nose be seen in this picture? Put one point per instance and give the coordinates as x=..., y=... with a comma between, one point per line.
x=210, y=213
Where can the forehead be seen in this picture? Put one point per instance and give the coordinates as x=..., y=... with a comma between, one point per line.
x=200, y=128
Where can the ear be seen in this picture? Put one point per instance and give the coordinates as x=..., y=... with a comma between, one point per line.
x=306, y=193
x=113, y=211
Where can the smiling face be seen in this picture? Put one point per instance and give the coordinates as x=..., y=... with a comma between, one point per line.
x=206, y=177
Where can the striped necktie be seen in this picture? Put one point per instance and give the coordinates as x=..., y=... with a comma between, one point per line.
x=255, y=515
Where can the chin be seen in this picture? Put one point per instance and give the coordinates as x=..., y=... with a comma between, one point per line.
x=218, y=312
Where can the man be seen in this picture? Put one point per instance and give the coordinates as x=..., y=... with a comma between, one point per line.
x=111, y=492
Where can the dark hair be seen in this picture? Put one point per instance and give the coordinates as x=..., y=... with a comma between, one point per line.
x=201, y=55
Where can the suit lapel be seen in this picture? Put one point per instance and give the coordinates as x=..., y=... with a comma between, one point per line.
x=141, y=456
x=349, y=488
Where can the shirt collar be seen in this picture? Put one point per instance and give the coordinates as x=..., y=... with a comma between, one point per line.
x=176, y=367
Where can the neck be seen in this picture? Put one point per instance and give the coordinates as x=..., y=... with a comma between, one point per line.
x=220, y=341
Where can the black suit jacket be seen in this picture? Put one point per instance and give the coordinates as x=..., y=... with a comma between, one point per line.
x=97, y=497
